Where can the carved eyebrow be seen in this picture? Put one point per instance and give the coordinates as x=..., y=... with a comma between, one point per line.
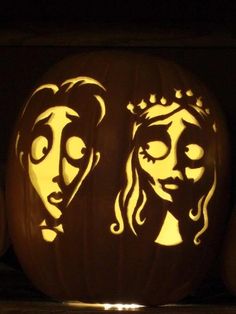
x=153, y=132
x=72, y=117
x=189, y=124
x=160, y=123
x=43, y=121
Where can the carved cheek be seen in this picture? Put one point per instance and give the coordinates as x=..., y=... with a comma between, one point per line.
x=69, y=172
x=194, y=173
x=40, y=176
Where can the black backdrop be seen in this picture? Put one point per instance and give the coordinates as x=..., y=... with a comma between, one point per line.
x=164, y=12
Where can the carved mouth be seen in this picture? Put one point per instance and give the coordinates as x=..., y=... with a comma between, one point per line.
x=171, y=184
x=55, y=198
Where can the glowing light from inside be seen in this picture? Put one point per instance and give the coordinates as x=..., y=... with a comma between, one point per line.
x=54, y=163
x=42, y=173
x=121, y=307
x=158, y=164
x=49, y=235
x=169, y=234
x=105, y=306
x=167, y=163
x=82, y=80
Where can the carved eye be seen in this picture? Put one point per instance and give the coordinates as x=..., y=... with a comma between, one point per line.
x=155, y=150
x=75, y=147
x=39, y=148
x=194, y=151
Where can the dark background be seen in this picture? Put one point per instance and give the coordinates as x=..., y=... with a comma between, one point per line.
x=199, y=17
x=164, y=13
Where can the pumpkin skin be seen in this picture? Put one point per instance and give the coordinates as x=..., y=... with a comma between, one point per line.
x=4, y=238
x=117, y=230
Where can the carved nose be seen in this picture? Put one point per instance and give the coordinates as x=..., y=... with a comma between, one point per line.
x=56, y=179
x=177, y=173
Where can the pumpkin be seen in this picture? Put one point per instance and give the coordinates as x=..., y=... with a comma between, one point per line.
x=117, y=180
x=4, y=237
x=4, y=240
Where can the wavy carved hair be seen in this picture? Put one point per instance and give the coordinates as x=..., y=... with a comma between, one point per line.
x=131, y=199
x=83, y=94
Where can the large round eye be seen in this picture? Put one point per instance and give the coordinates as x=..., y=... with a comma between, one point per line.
x=155, y=149
x=39, y=148
x=194, y=151
x=75, y=147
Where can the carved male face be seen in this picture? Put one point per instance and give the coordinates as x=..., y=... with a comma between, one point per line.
x=55, y=156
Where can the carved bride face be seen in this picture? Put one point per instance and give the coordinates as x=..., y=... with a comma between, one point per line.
x=172, y=153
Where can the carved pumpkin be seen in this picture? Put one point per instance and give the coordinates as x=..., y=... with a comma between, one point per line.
x=116, y=166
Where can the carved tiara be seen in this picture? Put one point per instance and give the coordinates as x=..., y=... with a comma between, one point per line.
x=153, y=100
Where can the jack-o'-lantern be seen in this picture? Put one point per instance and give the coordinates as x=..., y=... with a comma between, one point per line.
x=116, y=166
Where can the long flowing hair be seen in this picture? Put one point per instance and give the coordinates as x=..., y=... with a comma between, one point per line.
x=131, y=199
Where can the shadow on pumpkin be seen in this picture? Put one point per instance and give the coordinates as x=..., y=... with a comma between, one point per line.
x=55, y=146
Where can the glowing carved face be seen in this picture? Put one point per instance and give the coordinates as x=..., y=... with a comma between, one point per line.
x=172, y=153
x=54, y=158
